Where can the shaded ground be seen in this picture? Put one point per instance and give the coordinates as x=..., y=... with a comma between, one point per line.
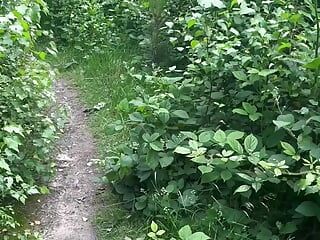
x=67, y=213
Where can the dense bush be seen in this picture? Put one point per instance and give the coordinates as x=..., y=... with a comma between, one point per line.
x=225, y=131
x=229, y=134
x=25, y=98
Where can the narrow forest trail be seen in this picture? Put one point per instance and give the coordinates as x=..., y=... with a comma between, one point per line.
x=67, y=213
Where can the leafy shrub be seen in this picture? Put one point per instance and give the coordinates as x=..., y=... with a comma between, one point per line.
x=231, y=135
x=25, y=98
x=79, y=22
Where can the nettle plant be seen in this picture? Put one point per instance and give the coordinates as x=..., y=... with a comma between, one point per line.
x=230, y=136
x=26, y=130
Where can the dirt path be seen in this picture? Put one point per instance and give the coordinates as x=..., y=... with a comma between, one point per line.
x=67, y=213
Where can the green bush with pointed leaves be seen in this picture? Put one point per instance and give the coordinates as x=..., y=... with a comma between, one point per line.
x=228, y=135
x=26, y=127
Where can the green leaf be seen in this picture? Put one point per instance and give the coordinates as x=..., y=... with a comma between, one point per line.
x=198, y=236
x=235, y=145
x=200, y=159
x=185, y=232
x=249, y=108
x=163, y=115
x=205, y=169
x=220, y=136
x=245, y=177
x=181, y=114
x=288, y=228
x=157, y=146
x=284, y=120
x=13, y=128
x=240, y=111
x=250, y=143
x=166, y=161
x=255, y=116
x=240, y=75
x=235, y=135
x=154, y=227
x=190, y=135
x=226, y=175
x=314, y=64
x=194, y=43
x=288, y=149
x=267, y=72
x=12, y=142
x=308, y=209
x=242, y=189
x=4, y=165
x=188, y=198
x=206, y=136
x=182, y=150
x=211, y=3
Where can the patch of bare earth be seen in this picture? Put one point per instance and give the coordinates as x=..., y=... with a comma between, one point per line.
x=67, y=213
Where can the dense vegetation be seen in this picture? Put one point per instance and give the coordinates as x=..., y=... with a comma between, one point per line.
x=26, y=128
x=223, y=126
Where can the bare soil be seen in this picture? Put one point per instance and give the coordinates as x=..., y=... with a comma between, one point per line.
x=68, y=211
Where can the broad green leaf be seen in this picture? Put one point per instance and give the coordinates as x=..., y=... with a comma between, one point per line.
x=240, y=75
x=157, y=146
x=206, y=136
x=12, y=142
x=13, y=128
x=288, y=228
x=140, y=205
x=163, y=115
x=205, y=169
x=198, y=236
x=180, y=114
x=284, y=120
x=267, y=72
x=255, y=116
x=250, y=143
x=211, y=3
x=188, y=198
x=235, y=145
x=194, y=43
x=182, y=150
x=308, y=209
x=185, y=232
x=220, y=136
x=288, y=149
x=242, y=189
x=226, y=175
x=314, y=64
x=4, y=165
x=154, y=227
x=200, y=159
x=249, y=108
x=190, y=135
x=245, y=177
x=240, y=111
x=166, y=161
x=235, y=135
x=244, y=10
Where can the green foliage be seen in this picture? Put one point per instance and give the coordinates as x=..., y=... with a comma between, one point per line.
x=230, y=130
x=80, y=22
x=25, y=97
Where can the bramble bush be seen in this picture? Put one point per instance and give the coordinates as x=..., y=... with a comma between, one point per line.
x=224, y=133
x=230, y=138
x=26, y=127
